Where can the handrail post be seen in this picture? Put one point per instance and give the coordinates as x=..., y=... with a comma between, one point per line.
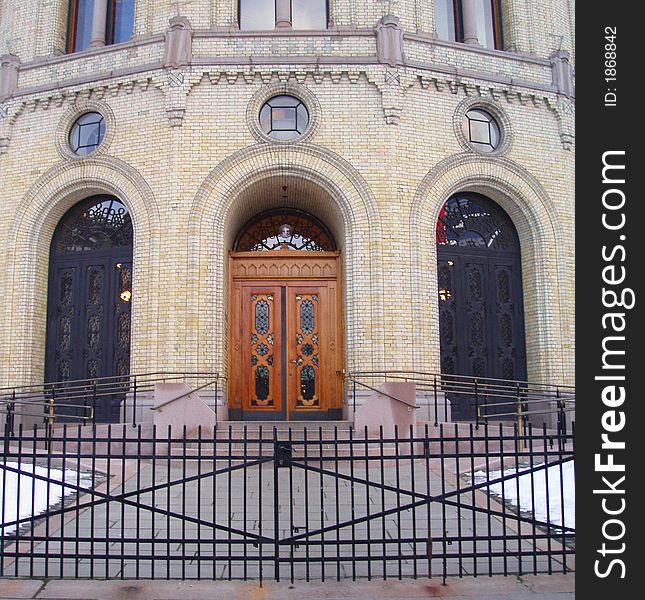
x=50, y=420
x=520, y=419
x=216, y=393
x=436, y=404
x=476, y=405
x=134, y=401
x=354, y=398
x=94, y=398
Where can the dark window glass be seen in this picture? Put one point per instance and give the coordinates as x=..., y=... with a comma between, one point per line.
x=87, y=133
x=95, y=224
x=481, y=130
x=444, y=14
x=284, y=228
x=449, y=21
x=80, y=24
x=309, y=14
x=257, y=14
x=474, y=221
x=485, y=23
x=123, y=21
x=284, y=118
x=260, y=15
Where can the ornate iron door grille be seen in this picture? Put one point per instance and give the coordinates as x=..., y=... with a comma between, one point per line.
x=481, y=316
x=90, y=294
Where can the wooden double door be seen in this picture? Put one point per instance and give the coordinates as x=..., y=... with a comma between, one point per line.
x=285, y=360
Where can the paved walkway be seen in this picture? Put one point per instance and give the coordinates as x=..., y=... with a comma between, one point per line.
x=541, y=587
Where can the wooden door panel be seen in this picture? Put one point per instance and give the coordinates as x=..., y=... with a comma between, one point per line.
x=298, y=377
x=307, y=355
x=261, y=348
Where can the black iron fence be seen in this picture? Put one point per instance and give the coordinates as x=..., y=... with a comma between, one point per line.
x=309, y=504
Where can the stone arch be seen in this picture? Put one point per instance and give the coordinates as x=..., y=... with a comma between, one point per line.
x=533, y=213
x=351, y=214
x=27, y=255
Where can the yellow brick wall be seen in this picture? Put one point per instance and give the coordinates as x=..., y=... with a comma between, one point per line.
x=382, y=160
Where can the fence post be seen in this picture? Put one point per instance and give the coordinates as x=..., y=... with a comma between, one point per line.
x=8, y=425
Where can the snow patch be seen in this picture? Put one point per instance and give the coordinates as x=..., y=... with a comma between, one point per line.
x=536, y=502
x=22, y=495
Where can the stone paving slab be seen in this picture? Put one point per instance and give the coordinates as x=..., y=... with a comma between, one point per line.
x=541, y=587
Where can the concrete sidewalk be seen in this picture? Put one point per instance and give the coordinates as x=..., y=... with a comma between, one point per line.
x=530, y=587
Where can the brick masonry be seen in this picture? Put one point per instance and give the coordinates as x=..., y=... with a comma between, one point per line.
x=383, y=153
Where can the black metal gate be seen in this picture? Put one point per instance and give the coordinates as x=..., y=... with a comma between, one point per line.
x=293, y=505
x=481, y=315
x=90, y=292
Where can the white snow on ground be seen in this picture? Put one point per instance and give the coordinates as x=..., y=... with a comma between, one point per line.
x=33, y=490
x=554, y=513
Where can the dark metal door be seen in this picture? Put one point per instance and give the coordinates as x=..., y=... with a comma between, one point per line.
x=481, y=320
x=88, y=316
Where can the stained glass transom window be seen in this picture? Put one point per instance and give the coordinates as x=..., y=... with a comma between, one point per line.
x=481, y=130
x=284, y=118
x=284, y=229
x=474, y=221
x=87, y=133
x=94, y=224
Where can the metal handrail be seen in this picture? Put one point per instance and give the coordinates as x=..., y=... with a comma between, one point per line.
x=63, y=399
x=382, y=393
x=188, y=393
x=520, y=395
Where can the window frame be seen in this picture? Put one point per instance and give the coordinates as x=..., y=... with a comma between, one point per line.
x=72, y=24
x=498, y=32
x=239, y=18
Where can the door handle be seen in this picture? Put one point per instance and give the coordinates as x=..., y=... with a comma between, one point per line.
x=295, y=362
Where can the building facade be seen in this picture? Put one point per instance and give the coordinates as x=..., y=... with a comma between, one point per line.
x=281, y=191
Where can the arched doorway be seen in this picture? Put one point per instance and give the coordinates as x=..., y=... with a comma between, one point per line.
x=481, y=316
x=90, y=293
x=285, y=349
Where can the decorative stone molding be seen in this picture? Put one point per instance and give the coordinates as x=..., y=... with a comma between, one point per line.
x=9, y=65
x=492, y=108
x=220, y=198
x=29, y=236
x=389, y=41
x=533, y=213
x=562, y=73
x=78, y=108
x=178, y=39
x=288, y=88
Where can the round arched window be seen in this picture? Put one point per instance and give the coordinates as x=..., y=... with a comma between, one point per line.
x=481, y=130
x=98, y=223
x=284, y=118
x=87, y=133
x=286, y=229
x=473, y=221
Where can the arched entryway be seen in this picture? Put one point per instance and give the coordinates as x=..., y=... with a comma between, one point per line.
x=89, y=299
x=285, y=319
x=481, y=316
